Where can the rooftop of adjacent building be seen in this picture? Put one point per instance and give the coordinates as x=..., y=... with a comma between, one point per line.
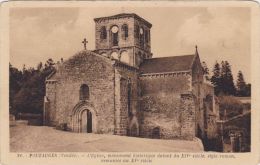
x=244, y=99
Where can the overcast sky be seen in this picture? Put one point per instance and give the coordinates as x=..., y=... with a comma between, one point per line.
x=221, y=33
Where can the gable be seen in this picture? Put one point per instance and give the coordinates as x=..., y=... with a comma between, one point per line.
x=196, y=66
x=167, y=64
x=83, y=63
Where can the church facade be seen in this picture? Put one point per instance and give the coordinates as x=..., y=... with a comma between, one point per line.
x=119, y=88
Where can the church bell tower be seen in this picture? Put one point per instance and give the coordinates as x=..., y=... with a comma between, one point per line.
x=124, y=37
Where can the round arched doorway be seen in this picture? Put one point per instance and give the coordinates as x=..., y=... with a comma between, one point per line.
x=84, y=118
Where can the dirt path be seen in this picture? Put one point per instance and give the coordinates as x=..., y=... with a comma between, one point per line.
x=47, y=139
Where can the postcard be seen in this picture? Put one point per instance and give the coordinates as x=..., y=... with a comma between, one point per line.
x=122, y=83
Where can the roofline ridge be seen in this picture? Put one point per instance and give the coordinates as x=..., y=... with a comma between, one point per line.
x=159, y=73
x=194, y=58
x=171, y=56
x=84, y=52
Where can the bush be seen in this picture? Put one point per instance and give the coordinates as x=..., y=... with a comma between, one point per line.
x=62, y=126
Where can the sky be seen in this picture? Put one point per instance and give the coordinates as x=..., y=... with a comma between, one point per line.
x=221, y=33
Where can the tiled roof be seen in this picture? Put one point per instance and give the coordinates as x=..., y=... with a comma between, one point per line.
x=167, y=64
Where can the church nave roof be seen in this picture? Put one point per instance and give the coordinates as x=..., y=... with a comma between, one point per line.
x=167, y=64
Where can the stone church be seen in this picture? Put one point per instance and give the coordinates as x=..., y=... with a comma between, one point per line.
x=119, y=88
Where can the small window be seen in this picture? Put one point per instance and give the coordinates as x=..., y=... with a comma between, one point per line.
x=84, y=92
x=124, y=31
x=141, y=37
x=114, y=36
x=137, y=31
x=146, y=36
x=103, y=33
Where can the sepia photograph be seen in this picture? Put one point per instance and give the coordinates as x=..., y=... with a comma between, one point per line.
x=130, y=78
x=174, y=80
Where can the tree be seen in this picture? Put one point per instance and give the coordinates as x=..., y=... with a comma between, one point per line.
x=227, y=83
x=215, y=79
x=205, y=70
x=248, y=90
x=49, y=63
x=28, y=98
x=15, y=83
x=39, y=67
x=48, y=67
x=241, y=84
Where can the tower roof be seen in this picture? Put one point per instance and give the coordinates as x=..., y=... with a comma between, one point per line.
x=124, y=15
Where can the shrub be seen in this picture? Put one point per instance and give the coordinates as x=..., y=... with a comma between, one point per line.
x=62, y=126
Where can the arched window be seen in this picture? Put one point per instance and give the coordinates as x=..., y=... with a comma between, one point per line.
x=103, y=33
x=139, y=54
x=84, y=92
x=141, y=37
x=114, y=36
x=146, y=36
x=137, y=31
x=124, y=31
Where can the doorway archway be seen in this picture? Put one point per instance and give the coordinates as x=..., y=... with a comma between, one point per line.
x=84, y=118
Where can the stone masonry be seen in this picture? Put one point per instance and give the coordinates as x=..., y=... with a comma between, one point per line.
x=118, y=88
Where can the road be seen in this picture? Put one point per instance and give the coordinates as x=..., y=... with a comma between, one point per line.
x=48, y=139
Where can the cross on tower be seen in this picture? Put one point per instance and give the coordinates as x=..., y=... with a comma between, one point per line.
x=85, y=43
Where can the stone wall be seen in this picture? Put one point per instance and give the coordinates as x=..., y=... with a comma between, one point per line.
x=211, y=108
x=197, y=90
x=109, y=23
x=126, y=99
x=130, y=44
x=147, y=45
x=133, y=29
x=93, y=70
x=119, y=52
x=240, y=126
x=161, y=104
x=187, y=119
x=50, y=103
